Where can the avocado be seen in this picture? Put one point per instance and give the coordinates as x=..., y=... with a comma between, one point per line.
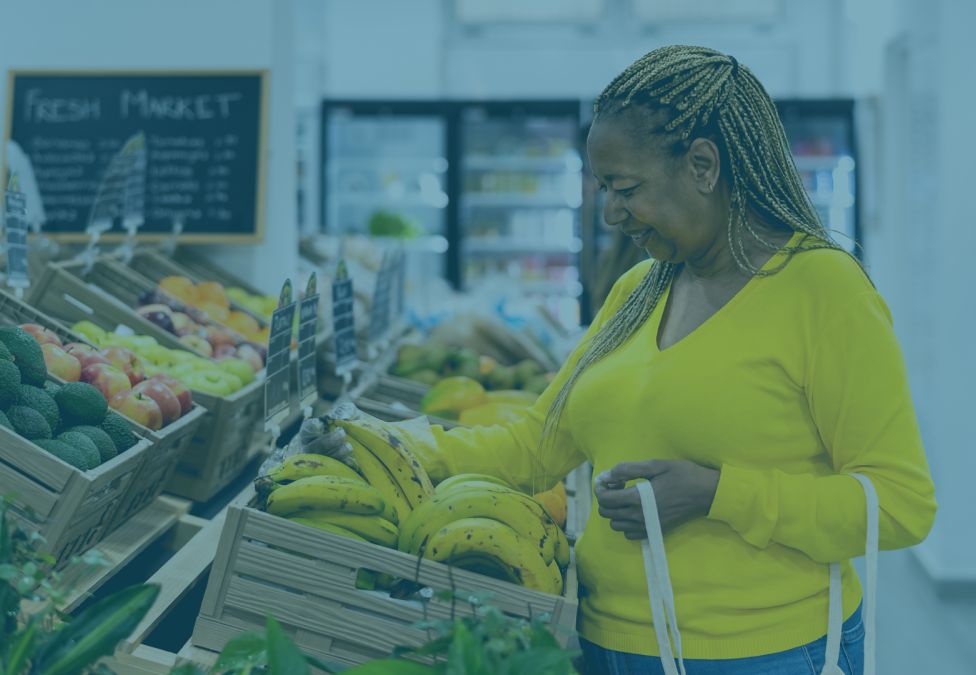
x=9, y=384
x=65, y=452
x=84, y=444
x=27, y=354
x=118, y=430
x=41, y=401
x=51, y=387
x=102, y=441
x=81, y=403
x=4, y=422
x=5, y=354
x=28, y=422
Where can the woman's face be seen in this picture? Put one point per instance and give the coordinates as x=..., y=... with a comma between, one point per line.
x=655, y=199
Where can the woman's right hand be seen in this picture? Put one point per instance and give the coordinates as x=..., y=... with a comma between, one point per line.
x=314, y=438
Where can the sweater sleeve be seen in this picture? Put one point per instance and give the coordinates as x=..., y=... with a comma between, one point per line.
x=512, y=451
x=857, y=391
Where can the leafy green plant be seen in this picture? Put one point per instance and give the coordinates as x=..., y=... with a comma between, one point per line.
x=46, y=641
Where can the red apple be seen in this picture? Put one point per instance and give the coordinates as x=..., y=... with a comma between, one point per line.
x=161, y=315
x=86, y=354
x=197, y=344
x=219, y=336
x=61, y=363
x=42, y=334
x=225, y=352
x=179, y=389
x=183, y=324
x=126, y=361
x=139, y=408
x=168, y=404
x=106, y=378
x=247, y=352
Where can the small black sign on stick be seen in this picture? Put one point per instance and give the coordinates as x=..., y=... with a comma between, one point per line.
x=15, y=229
x=308, y=320
x=277, y=384
x=343, y=323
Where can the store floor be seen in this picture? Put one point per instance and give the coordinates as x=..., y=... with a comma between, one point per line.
x=921, y=632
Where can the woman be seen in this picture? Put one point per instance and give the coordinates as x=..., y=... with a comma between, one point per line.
x=746, y=371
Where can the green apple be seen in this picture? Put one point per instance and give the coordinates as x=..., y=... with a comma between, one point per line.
x=152, y=369
x=90, y=332
x=181, y=370
x=182, y=356
x=239, y=368
x=211, y=382
x=157, y=355
x=141, y=342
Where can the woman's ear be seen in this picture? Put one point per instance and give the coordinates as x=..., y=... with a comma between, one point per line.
x=705, y=164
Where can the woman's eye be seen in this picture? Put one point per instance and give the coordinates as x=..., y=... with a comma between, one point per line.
x=625, y=192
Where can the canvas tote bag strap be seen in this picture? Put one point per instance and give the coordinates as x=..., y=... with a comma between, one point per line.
x=835, y=624
x=660, y=593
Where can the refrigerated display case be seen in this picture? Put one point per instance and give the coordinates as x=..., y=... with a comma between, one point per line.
x=821, y=136
x=492, y=188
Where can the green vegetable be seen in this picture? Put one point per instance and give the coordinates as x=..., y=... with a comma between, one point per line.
x=41, y=401
x=106, y=447
x=65, y=452
x=9, y=383
x=118, y=430
x=27, y=354
x=28, y=422
x=85, y=445
x=81, y=403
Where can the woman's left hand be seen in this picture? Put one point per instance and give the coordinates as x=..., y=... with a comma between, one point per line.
x=683, y=491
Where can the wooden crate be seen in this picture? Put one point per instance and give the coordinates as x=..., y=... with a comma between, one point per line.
x=73, y=510
x=225, y=438
x=305, y=578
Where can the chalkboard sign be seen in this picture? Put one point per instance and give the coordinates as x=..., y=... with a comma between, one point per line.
x=308, y=319
x=379, y=312
x=277, y=384
x=15, y=232
x=343, y=321
x=204, y=147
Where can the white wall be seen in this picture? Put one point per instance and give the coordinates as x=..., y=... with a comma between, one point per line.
x=178, y=34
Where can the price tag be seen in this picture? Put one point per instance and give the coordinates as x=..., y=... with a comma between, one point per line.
x=379, y=314
x=308, y=320
x=15, y=229
x=277, y=383
x=343, y=322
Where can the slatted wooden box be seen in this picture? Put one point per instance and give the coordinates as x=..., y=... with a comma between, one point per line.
x=72, y=509
x=228, y=435
x=305, y=578
x=169, y=443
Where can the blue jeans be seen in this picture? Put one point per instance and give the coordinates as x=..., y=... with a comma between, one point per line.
x=804, y=660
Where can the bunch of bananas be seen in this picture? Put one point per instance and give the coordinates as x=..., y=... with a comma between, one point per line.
x=365, y=501
x=480, y=523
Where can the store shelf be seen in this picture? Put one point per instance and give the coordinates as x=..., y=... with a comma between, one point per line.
x=436, y=164
x=508, y=200
x=384, y=199
x=568, y=164
x=476, y=246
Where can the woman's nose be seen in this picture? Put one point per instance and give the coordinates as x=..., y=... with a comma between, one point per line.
x=613, y=212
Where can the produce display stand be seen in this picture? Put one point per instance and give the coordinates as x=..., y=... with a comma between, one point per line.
x=227, y=437
x=169, y=443
x=72, y=509
x=306, y=579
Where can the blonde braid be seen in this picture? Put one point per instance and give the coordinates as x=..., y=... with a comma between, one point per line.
x=705, y=92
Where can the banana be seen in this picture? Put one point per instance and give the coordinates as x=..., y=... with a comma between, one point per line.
x=304, y=465
x=514, y=509
x=556, y=575
x=323, y=493
x=328, y=527
x=462, y=478
x=375, y=529
x=486, y=537
x=377, y=475
x=561, y=543
x=485, y=564
x=382, y=439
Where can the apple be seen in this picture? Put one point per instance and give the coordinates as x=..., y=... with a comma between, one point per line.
x=239, y=368
x=225, y=352
x=138, y=407
x=183, y=324
x=178, y=356
x=156, y=355
x=86, y=354
x=219, y=336
x=247, y=352
x=106, y=378
x=197, y=344
x=90, y=332
x=41, y=334
x=214, y=382
x=61, y=363
x=160, y=315
x=168, y=404
x=179, y=389
x=126, y=361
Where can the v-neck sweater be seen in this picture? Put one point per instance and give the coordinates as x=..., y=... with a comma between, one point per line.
x=797, y=381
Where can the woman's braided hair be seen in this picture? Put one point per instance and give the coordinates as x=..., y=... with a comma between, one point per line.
x=704, y=93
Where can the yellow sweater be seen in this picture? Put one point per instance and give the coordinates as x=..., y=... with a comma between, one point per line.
x=797, y=381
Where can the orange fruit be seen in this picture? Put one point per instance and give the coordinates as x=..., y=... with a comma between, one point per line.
x=218, y=313
x=243, y=323
x=179, y=287
x=212, y=292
